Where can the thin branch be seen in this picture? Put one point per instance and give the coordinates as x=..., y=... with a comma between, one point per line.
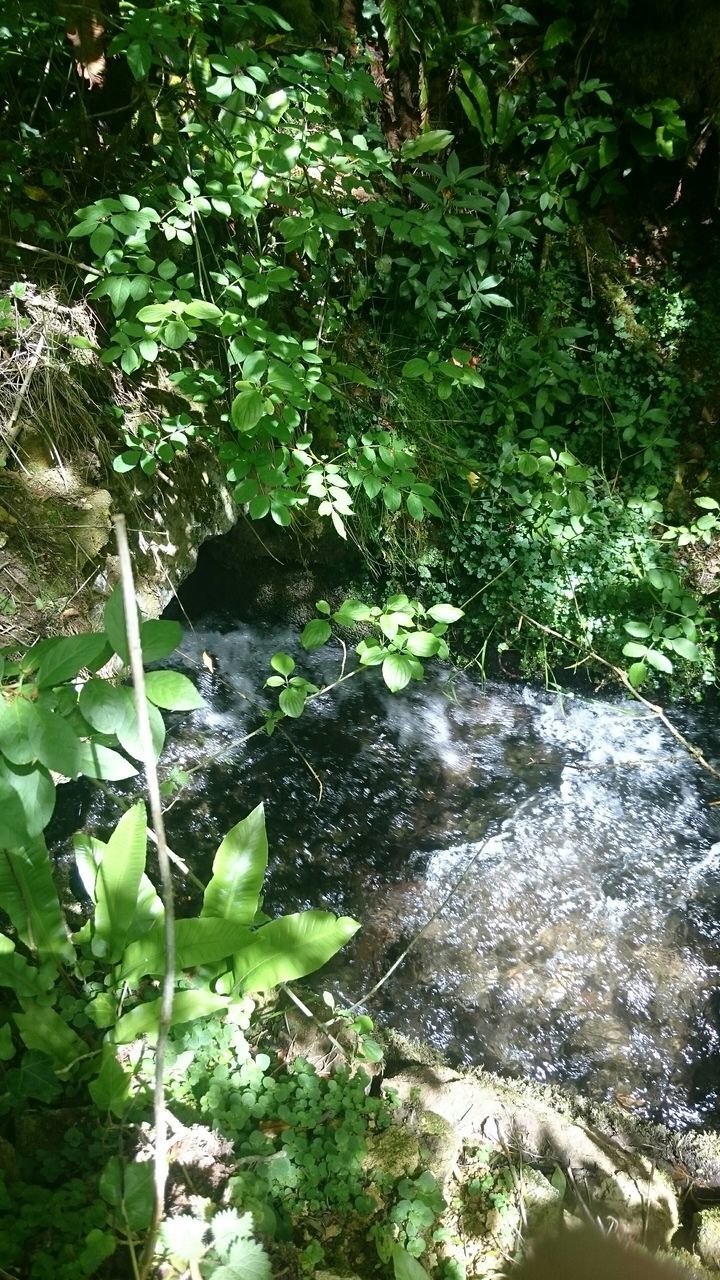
x=168, y=987
x=50, y=253
x=621, y=675
x=13, y=426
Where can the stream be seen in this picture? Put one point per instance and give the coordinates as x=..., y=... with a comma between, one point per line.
x=582, y=946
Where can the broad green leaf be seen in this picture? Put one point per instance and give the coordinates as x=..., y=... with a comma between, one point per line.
x=36, y=792
x=159, y=637
x=45, y=1029
x=283, y=663
x=198, y=942
x=101, y=762
x=110, y=1090
x=686, y=649
x=638, y=629
x=415, y=506
x=316, y=633
x=483, y=122
x=139, y=58
x=247, y=409
x=428, y=143
x=415, y=368
x=103, y=705
x=423, y=644
x=129, y=1189
x=201, y=310
x=101, y=239
x=633, y=650
x=405, y=1267
x=238, y=871
x=68, y=655
x=18, y=721
x=352, y=611
x=445, y=613
x=708, y=503
x=290, y=948
x=659, y=661
x=292, y=702
x=114, y=620
x=144, y=1019
x=55, y=743
x=174, y=334
x=173, y=691
x=128, y=730
x=117, y=883
x=396, y=672
x=29, y=897
x=16, y=973
x=637, y=674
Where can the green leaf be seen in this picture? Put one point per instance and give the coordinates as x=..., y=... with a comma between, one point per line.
x=158, y=639
x=415, y=506
x=199, y=942
x=144, y=1019
x=632, y=650
x=155, y=313
x=638, y=629
x=15, y=972
x=686, y=649
x=18, y=724
x=103, y=763
x=405, y=1267
x=114, y=619
x=201, y=310
x=290, y=948
x=29, y=897
x=316, y=633
x=659, y=661
x=482, y=119
x=282, y=663
x=415, y=368
x=7, y=1044
x=173, y=691
x=637, y=674
x=45, y=1029
x=428, y=143
x=55, y=743
x=139, y=58
x=423, y=644
x=174, y=334
x=118, y=882
x=445, y=613
x=397, y=672
x=292, y=702
x=239, y=869
x=35, y=790
x=66, y=656
x=392, y=497
x=103, y=705
x=709, y=504
x=101, y=239
x=110, y=1090
x=247, y=409
x=559, y=32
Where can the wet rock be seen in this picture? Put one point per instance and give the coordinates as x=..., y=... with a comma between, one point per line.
x=706, y=1237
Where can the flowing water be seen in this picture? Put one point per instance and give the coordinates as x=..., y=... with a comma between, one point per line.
x=582, y=944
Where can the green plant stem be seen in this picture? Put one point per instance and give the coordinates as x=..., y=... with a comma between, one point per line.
x=132, y=627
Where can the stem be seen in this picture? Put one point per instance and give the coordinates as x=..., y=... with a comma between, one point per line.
x=168, y=987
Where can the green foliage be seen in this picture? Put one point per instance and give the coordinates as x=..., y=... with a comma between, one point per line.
x=221, y=1246
x=54, y=722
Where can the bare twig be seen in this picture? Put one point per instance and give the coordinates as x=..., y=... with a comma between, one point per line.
x=168, y=987
x=50, y=253
x=621, y=675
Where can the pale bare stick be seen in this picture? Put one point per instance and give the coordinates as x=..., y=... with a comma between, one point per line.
x=132, y=628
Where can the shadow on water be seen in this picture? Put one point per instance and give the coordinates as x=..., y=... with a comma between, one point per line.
x=584, y=947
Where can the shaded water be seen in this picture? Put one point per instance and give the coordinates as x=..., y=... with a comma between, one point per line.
x=582, y=946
